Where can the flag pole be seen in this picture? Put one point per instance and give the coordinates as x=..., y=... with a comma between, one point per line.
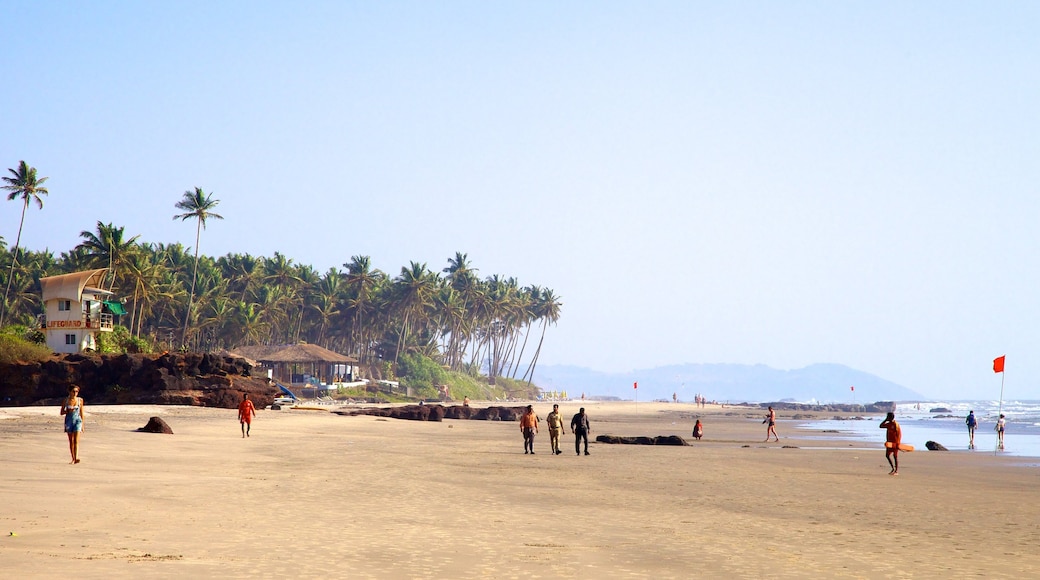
x=1000, y=402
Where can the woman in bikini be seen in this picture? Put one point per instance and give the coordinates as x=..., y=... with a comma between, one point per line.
x=72, y=408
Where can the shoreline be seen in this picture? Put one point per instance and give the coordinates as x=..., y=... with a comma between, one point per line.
x=317, y=494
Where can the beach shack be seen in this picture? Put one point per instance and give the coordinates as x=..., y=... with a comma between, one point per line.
x=307, y=369
x=76, y=309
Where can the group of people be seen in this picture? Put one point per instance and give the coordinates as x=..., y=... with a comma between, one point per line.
x=554, y=421
x=972, y=423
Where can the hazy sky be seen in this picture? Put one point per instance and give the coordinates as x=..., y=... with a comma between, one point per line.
x=707, y=182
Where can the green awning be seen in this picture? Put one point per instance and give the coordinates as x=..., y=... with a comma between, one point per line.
x=115, y=307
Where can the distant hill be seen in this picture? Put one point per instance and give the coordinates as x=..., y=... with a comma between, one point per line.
x=824, y=383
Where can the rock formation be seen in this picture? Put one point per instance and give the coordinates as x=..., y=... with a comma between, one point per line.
x=439, y=412
x=933, y=446
x=197, y=379
x=156, y=425
x=659, y=440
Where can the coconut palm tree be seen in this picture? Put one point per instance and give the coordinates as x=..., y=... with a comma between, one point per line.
x=108, y=249
x=24, y=184
x=196, y=205
x=548, y=310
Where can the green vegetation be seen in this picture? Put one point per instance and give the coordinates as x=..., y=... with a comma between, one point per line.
x=14, y=348
x=446, y=327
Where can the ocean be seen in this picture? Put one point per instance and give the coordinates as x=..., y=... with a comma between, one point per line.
x=922, y=422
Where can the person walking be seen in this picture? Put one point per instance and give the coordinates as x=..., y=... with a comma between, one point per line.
x=555, y=423
x=893, y=436
x=580, y=428
x=971, y=422
x=529, y=427
x=771, y=419
x=72, y=408
x=1000, y=431
x=246, y=412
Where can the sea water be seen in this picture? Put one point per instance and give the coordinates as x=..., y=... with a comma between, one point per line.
x=922, y=422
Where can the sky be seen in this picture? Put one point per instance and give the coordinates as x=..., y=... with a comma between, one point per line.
x=778, y=183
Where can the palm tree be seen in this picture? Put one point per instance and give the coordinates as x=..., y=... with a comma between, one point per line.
x=25, y=185
x=198, y=205
x=414, y=290
x=548, y=309
x=107, y=249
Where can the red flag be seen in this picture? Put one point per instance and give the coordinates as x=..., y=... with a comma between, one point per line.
x=635, y=385
x=853, y=389
x=998, y=364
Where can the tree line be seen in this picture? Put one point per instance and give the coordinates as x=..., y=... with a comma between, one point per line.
x=178, y=298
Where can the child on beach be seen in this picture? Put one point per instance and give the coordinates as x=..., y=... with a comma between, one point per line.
x=698, y=430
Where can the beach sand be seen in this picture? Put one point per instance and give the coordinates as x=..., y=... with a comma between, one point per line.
x=313, y=494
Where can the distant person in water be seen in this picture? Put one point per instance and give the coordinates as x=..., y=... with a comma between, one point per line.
x=72, y=408
x=698, y=430
x=972, y=423
x=771, y=419
x=246, y=412
x=529, y=427
x=893, y=436
x=1000, y=431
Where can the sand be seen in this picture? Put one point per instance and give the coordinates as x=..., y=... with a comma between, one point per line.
x=313, y=495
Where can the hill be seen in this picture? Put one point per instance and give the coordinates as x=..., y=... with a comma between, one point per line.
x=823, y=383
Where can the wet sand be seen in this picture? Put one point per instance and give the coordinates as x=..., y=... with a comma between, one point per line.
x=313, y=494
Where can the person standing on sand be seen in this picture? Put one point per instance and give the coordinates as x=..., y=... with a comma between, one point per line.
x=555, y=423
x=246, y=412
x=72, y=408
x=893, y=436
x=971, y=423
x=1000, y=431
x=771, y=419
x=580, y=427
x=698, y=430
x=529, y=427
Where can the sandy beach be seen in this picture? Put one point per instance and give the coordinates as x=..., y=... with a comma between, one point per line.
x=313, y=494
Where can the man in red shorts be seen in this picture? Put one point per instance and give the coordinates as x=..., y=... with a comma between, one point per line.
x=246, y=412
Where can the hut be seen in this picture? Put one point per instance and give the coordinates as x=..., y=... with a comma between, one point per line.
x=304, y=366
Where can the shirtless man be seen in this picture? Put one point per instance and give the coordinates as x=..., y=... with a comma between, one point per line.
x=771, y=419
x=893, y=436
x=246, y=412
x=529, y=427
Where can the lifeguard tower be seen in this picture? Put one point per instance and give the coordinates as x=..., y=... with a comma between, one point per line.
x=76, y=310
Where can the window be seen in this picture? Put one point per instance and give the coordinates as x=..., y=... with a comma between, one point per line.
x=64, y=305
x=70, y=339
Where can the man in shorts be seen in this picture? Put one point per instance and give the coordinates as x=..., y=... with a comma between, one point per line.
x=893, y=436
x=246, y=412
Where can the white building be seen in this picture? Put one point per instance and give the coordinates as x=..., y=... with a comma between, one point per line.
x=77, y=309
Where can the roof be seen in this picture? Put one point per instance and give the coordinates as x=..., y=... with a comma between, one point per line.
x=295, y=353
x=70, y=286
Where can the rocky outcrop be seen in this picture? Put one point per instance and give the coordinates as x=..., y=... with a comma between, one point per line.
x=933, y=446
x=659, y=440
x=156, y=425
x=439, y=412
x=197, y=379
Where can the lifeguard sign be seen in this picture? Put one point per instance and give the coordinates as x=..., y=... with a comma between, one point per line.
x=76, y=309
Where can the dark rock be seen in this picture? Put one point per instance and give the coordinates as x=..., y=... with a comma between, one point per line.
x=174, y=378
x=933, y=446
x=939, y=410
x=156, y=425
x=641, y=440
x=438, y=413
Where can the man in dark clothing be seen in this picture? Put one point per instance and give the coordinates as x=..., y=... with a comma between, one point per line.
x=580, y=428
